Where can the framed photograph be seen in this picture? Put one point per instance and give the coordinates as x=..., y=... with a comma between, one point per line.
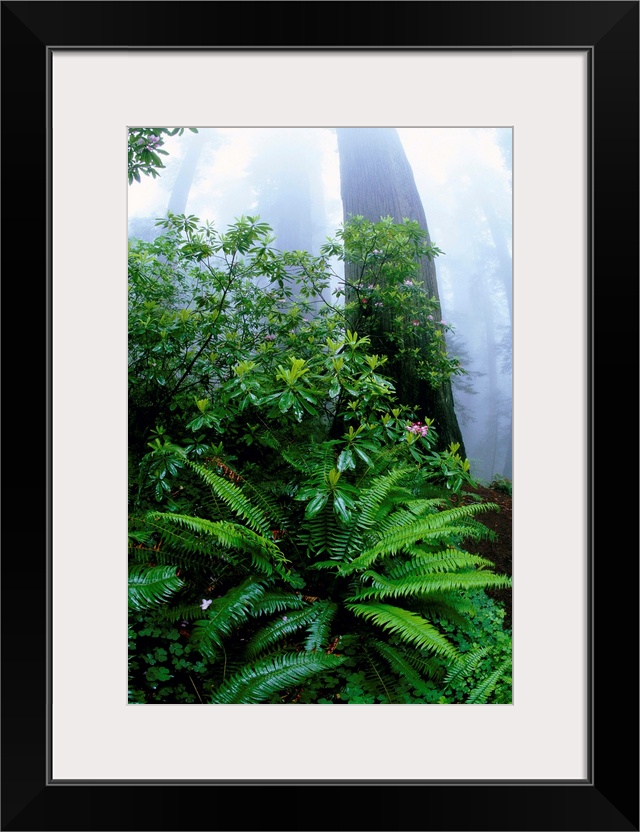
x=563, y=78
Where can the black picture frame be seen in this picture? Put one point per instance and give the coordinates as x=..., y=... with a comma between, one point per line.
x=607, y=800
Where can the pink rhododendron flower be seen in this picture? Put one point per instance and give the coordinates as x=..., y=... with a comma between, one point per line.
x=418, y=428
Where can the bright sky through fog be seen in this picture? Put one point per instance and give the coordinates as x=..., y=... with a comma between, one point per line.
x=432, y=152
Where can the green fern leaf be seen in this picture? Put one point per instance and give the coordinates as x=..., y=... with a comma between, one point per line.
x=274, y=601
x=480, y=694
x=398, y=662
x=318, y=637
x=257, y=682
x=279, y=629
x=150, y=586
x=234, y=498
x=264, y=553
x=427, y=561
x=465, y=664
x=224, y=615
x=418, y=585
x=408, y=626
x=435, y=528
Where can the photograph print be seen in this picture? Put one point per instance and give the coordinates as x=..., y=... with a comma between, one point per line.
x=320, y=415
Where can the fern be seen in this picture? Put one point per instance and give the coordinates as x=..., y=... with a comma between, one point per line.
x=453, y=607
x=465, y=664
x=264, y=553
x=426, y=560
x=178, y=612
x=150, y=586
x=417, y=585
x=400, y=664
x=274, y=601
x=319, y=626
x=480, y=694
x=224, y=615
x=257, y=682
x=408, y=626
x=387, y=580
x=435, y=529
x=234, y=498
x=280, y=629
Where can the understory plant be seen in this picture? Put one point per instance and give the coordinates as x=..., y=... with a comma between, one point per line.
x=293, y=532
x=273, y=593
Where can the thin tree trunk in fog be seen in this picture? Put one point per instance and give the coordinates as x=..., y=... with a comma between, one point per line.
x=290, y=191
x=504, y=257
x=180, y=191
x=376, y=181
x=508, y=457
x=505, y=275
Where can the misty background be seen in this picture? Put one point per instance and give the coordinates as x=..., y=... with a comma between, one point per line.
x=290, y=177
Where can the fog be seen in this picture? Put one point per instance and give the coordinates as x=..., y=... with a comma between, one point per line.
x=290, y=177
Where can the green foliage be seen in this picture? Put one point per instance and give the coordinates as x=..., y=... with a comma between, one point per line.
x=293, y=532
x=389, y=302
x=150, y=586
x=145, y=149
x=257, y=682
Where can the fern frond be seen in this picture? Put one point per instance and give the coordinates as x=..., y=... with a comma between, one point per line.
x=418, y=585
x=224, y=615
x=321, y=533
x=398, y=662
x=374, y=496
x=177, y=612
x=324, y=534
x=319, y=626
x=465, y=664
x=274, y=601
x=279, y=629
x=234, y=498
x=193, y=536
x=428, y=666
x=151, y=586
x=257, y=682
x=399, y=516
x=267, y=502
x=408, y=626
x=446, y=560
x=440, y=527
x=454, y=607
x=265, y=554
x=174, y=556
x=480, y=694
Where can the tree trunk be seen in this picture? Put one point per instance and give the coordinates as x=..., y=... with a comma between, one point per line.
x=180, y=191
x=376, y=181
x=289, y=190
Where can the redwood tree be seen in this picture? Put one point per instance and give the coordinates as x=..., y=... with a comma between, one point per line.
x=376, y=181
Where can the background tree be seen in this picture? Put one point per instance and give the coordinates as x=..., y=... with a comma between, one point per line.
x=182, y=185
x=287, y=181
x=376, y=181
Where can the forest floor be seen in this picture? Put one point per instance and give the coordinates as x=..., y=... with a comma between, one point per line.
x=498, y=551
